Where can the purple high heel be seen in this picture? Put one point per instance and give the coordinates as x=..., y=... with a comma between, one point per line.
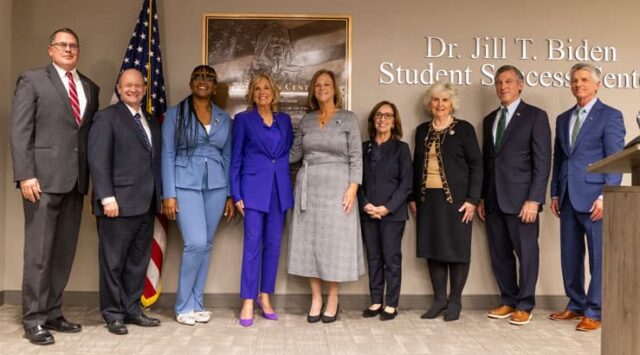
x=246, y=322
x=269, y=316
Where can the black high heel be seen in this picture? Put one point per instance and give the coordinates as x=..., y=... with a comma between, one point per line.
x=331, y=319
x=453, y=312
x=315, y=319
x=434, y=311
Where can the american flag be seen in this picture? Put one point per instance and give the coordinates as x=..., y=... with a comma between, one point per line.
x=143, y=53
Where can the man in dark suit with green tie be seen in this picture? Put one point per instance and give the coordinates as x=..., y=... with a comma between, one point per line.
x=517, y=161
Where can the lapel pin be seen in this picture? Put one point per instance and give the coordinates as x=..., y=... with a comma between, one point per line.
x=338, y=121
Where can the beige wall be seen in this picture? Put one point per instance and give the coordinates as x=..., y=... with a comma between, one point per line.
x=5, y=99
x=380, y=33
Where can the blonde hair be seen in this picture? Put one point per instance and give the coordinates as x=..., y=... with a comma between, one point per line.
x=275, y=104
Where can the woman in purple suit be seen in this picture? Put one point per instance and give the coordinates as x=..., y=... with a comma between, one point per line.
x=261, y=190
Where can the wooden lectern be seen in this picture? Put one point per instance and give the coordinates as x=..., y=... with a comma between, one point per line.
x=621, y=255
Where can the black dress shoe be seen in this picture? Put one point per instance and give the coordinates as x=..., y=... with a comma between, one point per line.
x=369, y=313
x=62, y=325
x=434, y=311
x=38, y=335
x=315, y=319
x=331, y=319
x=388, y=316
x=142, y=320
x=117, y=327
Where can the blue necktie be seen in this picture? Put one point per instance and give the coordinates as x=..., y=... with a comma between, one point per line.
x=138, y=120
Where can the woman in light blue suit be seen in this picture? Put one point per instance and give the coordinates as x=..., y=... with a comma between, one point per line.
x=261, y=190
x=196, y=151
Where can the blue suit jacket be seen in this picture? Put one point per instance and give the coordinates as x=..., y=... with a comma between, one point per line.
x=212, y=152
x=601, y=135
x=254, y=166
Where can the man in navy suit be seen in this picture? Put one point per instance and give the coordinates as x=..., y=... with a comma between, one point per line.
x=124, y=162
x=517, y=161
x=588, y=132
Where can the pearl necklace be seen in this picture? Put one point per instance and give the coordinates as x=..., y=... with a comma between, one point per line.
x=448, y=122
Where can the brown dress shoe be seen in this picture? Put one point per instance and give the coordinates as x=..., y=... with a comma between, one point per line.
x=588, y=324
x=520, y=317
x=501, y=312
x=565, y=315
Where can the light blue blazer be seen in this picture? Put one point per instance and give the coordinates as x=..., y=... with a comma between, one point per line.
x=205, y=166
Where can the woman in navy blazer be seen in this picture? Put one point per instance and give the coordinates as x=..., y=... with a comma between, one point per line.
x=261, y=190
x=196, y=152
x=386, y=185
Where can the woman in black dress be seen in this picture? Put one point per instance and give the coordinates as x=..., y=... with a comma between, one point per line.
x=382, y=197
x=447, y=182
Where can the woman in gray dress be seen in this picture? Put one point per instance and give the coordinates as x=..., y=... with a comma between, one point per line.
x=325, y=244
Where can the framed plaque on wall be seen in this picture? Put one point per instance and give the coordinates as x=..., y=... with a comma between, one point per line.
x=290, y=48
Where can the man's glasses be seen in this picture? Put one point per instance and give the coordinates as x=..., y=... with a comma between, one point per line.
x=64, y=45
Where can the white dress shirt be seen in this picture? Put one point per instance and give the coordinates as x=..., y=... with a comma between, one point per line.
x=82, y=98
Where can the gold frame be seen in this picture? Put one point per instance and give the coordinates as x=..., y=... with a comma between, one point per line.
x=284, y=17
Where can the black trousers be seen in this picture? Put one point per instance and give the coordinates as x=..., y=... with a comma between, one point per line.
x=50, y=240
x=383, y=241
x=510, y=238
x=124, y=253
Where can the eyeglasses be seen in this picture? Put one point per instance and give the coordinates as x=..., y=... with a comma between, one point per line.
x=64, y=45
x=384, y=116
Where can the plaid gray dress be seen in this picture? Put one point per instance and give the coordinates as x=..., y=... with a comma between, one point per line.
x=324, y=242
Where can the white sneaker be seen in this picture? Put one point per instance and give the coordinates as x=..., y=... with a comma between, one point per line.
x=186, y=318
x=202, y=316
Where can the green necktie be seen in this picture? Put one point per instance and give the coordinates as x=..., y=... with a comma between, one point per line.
x=576, y=126
x=502, y=122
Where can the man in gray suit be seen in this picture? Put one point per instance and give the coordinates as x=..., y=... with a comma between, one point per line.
x=52, y=112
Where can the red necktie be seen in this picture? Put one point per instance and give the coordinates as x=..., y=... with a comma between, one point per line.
x=73, y=98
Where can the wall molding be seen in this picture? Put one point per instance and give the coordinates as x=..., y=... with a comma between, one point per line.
x=297, y=302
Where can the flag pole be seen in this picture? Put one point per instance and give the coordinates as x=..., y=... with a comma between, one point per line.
x=149, y=38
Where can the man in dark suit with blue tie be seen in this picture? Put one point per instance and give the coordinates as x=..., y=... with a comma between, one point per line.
x=517, y=161
x=52, y=112
x=124, y=161
x=588, y=132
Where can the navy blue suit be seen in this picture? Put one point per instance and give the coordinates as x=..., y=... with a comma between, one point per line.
x=601, y=135
x=260, y=177
x=515, y=172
